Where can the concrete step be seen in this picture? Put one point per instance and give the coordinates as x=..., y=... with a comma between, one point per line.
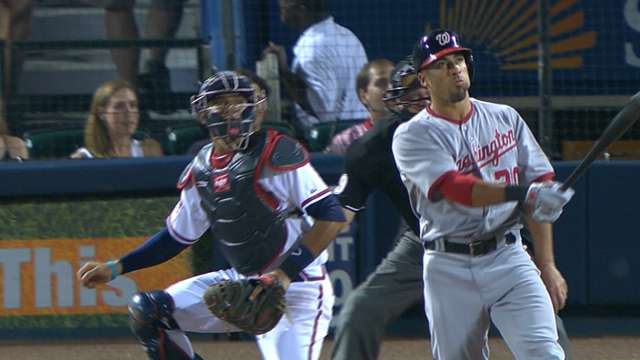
x=80, y=71
x=68, y=81
x=87, y=23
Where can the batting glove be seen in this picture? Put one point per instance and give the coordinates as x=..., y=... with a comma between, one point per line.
x=547, y=200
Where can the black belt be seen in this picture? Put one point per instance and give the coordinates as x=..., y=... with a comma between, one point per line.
x=475, y=248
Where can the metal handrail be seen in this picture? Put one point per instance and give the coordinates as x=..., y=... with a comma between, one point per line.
x=104, y=43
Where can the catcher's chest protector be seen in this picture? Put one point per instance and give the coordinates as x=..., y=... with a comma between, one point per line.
x=250, y=232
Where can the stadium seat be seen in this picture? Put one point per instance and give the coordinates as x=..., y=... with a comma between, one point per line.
x=320, y=135
x=181, y=137
x=280, y=126
x=53, y=143
x=59, y=143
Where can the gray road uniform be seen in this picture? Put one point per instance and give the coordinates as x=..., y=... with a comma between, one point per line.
x=468, y=285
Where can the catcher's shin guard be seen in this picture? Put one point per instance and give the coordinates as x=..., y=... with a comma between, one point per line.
x=150, y=314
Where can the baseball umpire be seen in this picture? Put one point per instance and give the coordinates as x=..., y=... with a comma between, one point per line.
x=396, y=284
x=272, y=216
x=471, y=168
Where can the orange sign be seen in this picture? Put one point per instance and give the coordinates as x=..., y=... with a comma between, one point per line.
x=509, y=30
x=38, y=277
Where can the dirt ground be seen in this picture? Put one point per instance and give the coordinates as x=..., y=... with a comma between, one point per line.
x=588, y=348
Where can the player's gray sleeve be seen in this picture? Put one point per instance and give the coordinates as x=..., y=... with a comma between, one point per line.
x=422, y=158
x=532, y=161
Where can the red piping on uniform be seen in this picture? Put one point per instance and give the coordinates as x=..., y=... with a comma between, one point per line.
x=288, y=167
x=306, y=277
x=315, y=324
x=457, y=122
x=185, y=180
x=314, y=197
x=264, y=195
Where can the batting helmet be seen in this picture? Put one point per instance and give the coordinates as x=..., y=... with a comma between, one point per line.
x=438, y=44
x=227, y=121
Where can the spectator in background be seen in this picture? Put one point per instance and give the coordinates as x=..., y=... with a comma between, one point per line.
x=162, y=22
x=262, y=92
x=371, y=84
x=11, y=147
x=15, y=25
x=327, y=58
x=112, y=121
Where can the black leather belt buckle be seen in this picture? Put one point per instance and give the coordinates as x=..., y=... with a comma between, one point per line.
x=481, y=247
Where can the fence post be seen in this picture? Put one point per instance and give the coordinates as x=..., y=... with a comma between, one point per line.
x=545, y=81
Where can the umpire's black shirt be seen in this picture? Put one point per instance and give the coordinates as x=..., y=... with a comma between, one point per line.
x=370, y=166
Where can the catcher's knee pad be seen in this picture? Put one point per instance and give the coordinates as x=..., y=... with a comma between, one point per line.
x=150, y=314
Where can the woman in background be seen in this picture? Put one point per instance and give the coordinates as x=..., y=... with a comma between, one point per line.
x=11, y=147
x=111, y=124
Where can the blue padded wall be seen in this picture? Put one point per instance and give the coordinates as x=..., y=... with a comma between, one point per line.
x=614, y=261
x=571, y=237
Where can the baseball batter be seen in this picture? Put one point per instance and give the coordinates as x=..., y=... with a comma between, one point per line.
x=269, y=211
x=473, y=170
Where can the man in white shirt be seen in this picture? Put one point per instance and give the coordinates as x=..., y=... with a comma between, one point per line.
x=327, y=59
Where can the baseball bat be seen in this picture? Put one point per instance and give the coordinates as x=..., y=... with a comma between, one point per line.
x=623, y=120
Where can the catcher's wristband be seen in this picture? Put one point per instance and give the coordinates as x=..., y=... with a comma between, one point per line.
x=113, y=265
x=297, y=261
x=515, y=193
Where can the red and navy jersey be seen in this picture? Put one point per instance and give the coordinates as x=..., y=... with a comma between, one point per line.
x=288, y=189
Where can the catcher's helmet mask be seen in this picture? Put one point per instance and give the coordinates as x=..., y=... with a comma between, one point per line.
x=438, y=44
x=402, y=87
x=228, y=121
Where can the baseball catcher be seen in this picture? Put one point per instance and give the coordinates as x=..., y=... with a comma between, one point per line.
x=272, y=218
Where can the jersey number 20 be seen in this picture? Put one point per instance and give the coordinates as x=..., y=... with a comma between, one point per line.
x=508, y=177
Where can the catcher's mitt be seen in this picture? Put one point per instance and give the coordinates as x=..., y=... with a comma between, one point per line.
x=253, y=305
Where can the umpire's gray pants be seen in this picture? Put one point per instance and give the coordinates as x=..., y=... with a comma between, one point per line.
x=394, y=287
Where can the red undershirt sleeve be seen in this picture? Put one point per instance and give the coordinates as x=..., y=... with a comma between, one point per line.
x=455, y=187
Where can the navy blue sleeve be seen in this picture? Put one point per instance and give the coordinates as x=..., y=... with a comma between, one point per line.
x=352, y=190
x=158, y=249
x=326, y=209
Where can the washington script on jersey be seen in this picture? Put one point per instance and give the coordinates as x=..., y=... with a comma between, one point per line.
x=498, y=146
